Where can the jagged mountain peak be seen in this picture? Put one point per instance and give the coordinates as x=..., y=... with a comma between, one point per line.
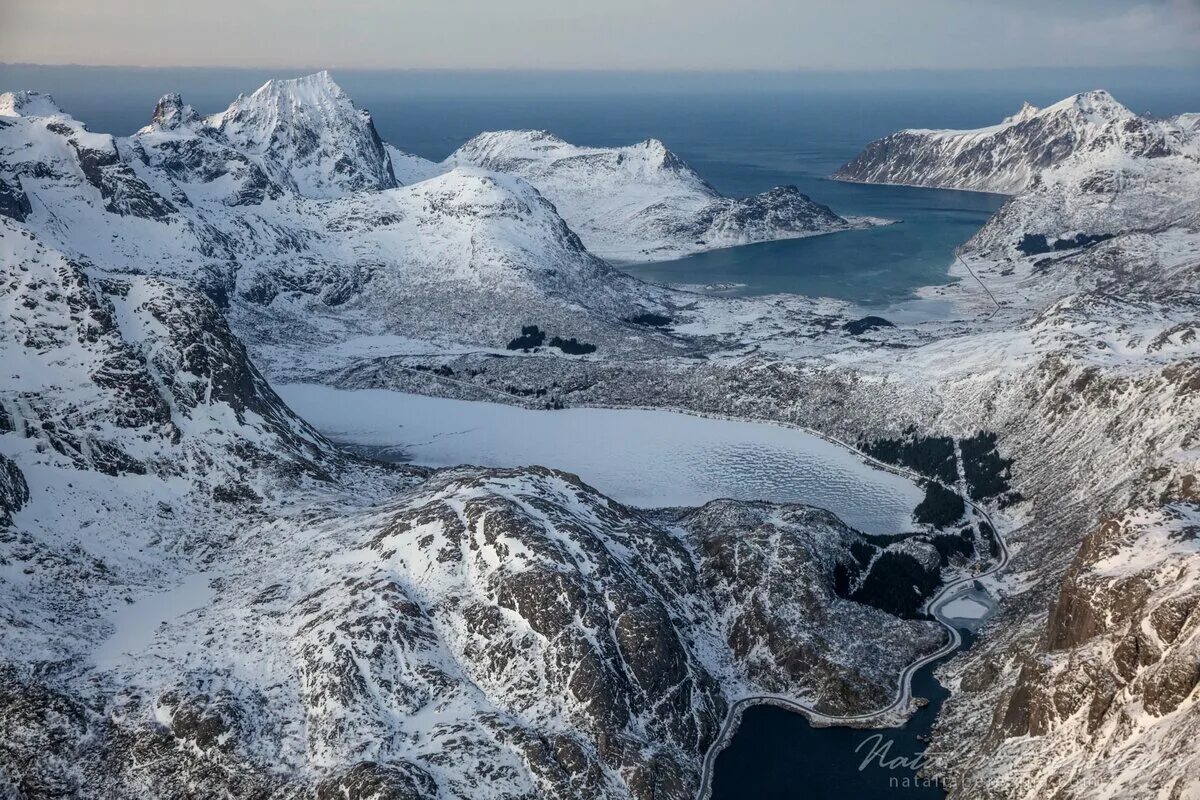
x=309, y=87
x=1006, y=157
x=170, y=112
x=1028, y=111
x=309, y=136
x=25, y=103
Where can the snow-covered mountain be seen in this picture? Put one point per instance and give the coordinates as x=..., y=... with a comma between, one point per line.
x=1005, y=158
x=1098, y=193
x=229, y=204
x=1078, y=346
x=309, y=137
x=642, y=202
x=1111, y=686
x=202, y=596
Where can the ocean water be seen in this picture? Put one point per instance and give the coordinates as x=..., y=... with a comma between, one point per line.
x=743, y=133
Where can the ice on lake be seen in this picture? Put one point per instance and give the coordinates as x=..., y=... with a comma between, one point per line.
x=645, y=458
x=136, y=624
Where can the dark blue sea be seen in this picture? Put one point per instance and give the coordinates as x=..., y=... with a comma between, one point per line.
x=743, y=133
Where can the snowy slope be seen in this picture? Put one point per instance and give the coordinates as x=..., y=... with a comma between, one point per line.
x=466, y=255
x=1005, y=158
x=200, y=596
x=642, y=202
x=1102, y=192
x=309, y=137
x=254, y=604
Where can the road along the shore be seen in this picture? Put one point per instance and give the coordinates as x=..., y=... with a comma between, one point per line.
x=904, y=690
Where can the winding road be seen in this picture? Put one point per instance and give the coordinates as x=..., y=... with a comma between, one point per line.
x=904, y=690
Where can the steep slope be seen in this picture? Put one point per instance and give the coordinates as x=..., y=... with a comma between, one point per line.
x=1093, y=196
x=202, y=596
x=1005, y=158
x=309, y=136
x=466, y=257
x=1100, y=701
x=199, y=158
x=1086, y=367
x=124, y=404
x=1122, y=641
x=642, y=202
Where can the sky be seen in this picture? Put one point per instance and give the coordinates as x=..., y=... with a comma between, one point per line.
x=603, y=34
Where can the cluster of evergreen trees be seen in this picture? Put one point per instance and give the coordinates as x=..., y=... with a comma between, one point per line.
x=533, y=337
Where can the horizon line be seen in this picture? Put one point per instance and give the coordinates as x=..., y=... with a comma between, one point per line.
x=311, y=68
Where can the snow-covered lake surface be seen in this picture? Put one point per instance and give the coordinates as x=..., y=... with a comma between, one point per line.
x=645, y=458
x=137, y=622
x=964, y=608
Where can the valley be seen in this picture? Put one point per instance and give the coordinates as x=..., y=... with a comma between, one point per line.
x=249, y=353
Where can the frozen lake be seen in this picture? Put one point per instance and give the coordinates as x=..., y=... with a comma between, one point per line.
x=639, y=457
x=136, y=624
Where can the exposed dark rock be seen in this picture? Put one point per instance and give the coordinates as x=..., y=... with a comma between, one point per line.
x=202, y=721
x=170, y=112
x=13, y=202
x=121, y=189
x=782, y=208
x=14, y=492
x=1167, y=685
x=368, y=780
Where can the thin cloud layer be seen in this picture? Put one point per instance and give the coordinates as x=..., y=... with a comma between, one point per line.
x=616, y=34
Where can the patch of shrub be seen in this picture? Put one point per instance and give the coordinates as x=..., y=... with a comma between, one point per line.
x=989, y=536
x=1034, y=244
x=932, y=456
x=986, y=471
x=650, y=319
x=531, y=336
x=954, y=544
x=572, y=346
x=860, y=326
x=898, y=584
x=941, y=507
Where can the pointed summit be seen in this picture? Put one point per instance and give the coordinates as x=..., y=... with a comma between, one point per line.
x=1096, y=106
x=312, y=89
x=309, y=136
x=1028, y=111
x=170, y=112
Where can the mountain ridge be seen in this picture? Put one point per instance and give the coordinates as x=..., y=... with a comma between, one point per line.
x=1005, y=158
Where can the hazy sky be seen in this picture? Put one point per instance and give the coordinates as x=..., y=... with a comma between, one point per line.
x=603, y=34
